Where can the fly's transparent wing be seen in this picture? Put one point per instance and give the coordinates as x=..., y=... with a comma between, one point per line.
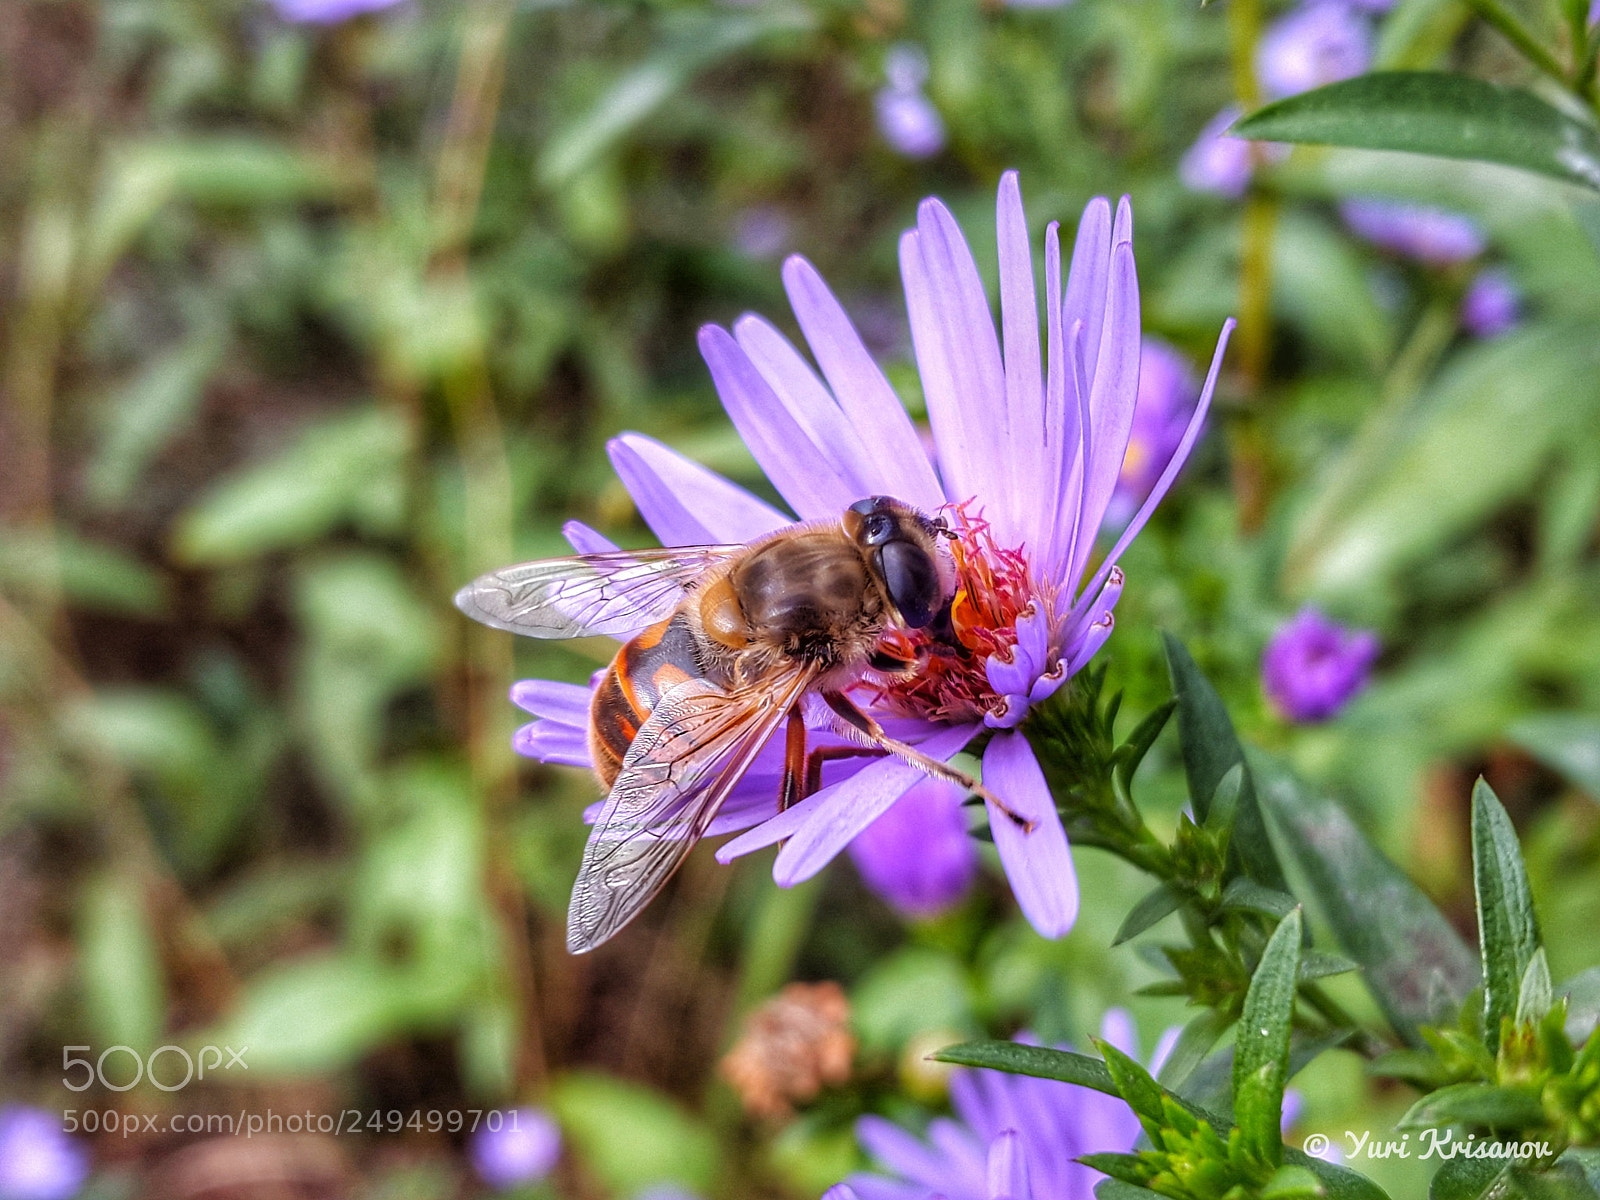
x=616, y=594
x=683, y=763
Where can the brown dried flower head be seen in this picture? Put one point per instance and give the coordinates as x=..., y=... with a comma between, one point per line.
x=792, y=1045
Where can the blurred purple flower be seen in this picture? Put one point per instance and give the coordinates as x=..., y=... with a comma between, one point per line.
x=1320, y=42
x=524, y=1149
x=1594, y=12
x=1313, y=667
x=1166, y=384
x=1012, y=1138
x=1029, y=448
x=1431, y=235
x=906, y=117
x=1221, y=164
x=917, y=856
x=1493, y=302
x=37, y=1160
x=328, y=12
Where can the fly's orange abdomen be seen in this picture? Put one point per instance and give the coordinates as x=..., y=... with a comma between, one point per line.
x=644, y=669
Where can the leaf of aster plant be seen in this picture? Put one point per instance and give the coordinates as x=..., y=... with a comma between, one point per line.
x=1210, y=1085
x=1117, y=1189
x=1435, y=112
x=1535, y=995
x=1196, y=1040
x=1160, y=903
x=1567, y=742
x=1210, y=750
x=1249, y=895
x=1508, y=929
x=1499, y=1107
x=1041, y=1062
x=1261, y=1047
x=1415, y=963
x=1466, y=1178
x=1583, y=1004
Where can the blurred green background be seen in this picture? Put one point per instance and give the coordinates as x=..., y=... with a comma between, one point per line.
x=305, y=325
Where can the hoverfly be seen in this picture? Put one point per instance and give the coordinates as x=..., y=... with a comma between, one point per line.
x=738, y=636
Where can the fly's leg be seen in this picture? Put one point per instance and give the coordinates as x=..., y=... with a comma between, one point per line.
x=795, y=772
x=826, y=754
x=855, y=723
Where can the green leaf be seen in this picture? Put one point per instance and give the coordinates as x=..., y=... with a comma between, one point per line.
x=1135, y=1085
x=1196, y=1040
x=1439, y=113
x=119, y=968
x=1261, y=1046
x=1131, y=753
x=1159, y=904
x=1508, y=929
x=1477, y=1104
x=345, y=467
x=1041, y=1062
x=1316, y=965
x=1535, y=995
x=1415, y=964
x=1210, y=750
x=1466, y=1178
x=1582, y=993
x=1567, y=742
x=693, y=43
x=1210, y=1085
x=1291, y=1182
x=1250, y=896
x=1116, y=1189
x=1339, y=1183
x=631, y=1137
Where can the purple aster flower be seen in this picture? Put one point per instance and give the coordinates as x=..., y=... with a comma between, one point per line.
x=1313, y=667
x=917, y=856
x=1492, y=304
x=1221, y=164
x=1166, y=385
x=328, y=12
x=37, y=1160
x=1012, y=1138
x=1030, y=435
x=523, y=1150
x=1318, y=43
x=906, y=117
x=1430, y=235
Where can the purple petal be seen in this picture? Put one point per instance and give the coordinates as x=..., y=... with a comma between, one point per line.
x=842, y=810
x=1060, y=412
x=566, y=702
x=1165, y=1045
x=1179, y=457
x=958, y=354
x=1113, y=393
x=918, y=856
x=584, y=540
x=1023, y=418
x=1008, y=1168
x=685, y=504
x=840, y=1191
x=900, y=1151
x=1087, y=277
x=864, y=394
x=1117, y=1028
x=1025, y=661
x=1037, y=863
x=553, y=742
x=805, y=474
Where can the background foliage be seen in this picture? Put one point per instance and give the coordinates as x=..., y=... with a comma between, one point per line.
x=304, y=326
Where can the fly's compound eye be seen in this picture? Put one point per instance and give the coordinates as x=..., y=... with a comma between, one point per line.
x=912, y=580
x=877, y=529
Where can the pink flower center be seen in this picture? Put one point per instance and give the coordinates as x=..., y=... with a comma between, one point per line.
x=994, y=587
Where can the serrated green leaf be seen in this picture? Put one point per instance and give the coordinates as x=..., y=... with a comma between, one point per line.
x=1478, y=1104
x=1508, y=929
x=1439, y=113
x=1261, y=1045
x=1157, y=905
x=1415, y=964
x=1210, y=750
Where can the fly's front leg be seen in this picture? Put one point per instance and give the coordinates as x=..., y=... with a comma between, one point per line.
x=861, y=724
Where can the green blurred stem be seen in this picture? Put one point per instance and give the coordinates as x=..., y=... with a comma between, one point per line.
x=1517, y=34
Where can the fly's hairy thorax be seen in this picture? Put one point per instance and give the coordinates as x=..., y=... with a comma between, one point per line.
x=801, y=596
